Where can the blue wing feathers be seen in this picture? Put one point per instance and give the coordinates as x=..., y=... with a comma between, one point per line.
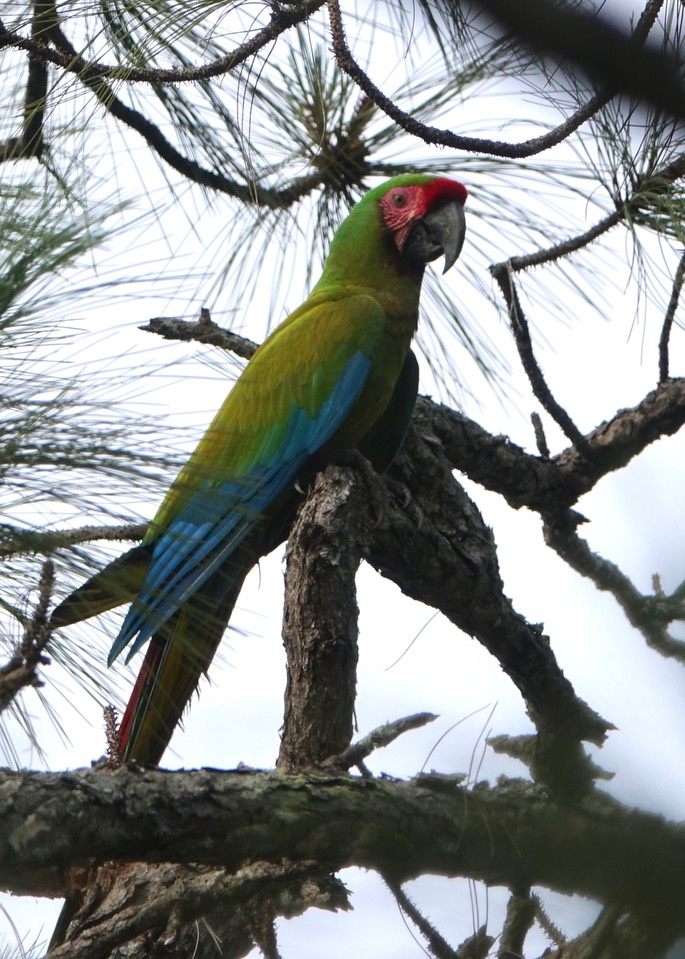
x=217, y=517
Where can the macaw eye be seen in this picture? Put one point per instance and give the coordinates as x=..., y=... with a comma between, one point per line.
x=399, y=199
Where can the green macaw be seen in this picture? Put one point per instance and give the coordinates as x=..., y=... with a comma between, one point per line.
x=337, y=374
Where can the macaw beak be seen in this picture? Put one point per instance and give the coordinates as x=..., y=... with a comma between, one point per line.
x=440, y=232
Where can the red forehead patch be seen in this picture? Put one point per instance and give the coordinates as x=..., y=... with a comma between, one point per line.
x=442, y=188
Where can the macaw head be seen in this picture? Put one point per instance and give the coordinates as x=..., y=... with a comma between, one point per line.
x=425, y=216
x=395, y=229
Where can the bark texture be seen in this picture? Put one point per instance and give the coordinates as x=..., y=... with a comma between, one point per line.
x=512, y=834
x=320, y=628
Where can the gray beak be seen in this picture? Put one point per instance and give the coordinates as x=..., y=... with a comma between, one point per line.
x=440, y=232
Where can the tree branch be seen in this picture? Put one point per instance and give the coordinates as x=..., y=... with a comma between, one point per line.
x=544, y=484
x=30, y=142
x=132, y=907
x=650, y=614
x=668, y=319
x=21, y=670
x=204, y=330
x=650, y=186
x=66, y=57
x=378, y=738
x=94, y=76
x=41, y=541
x=444, y=137
x=440, y=551
x=538, y=482
x=320, y=627
x=520, y=918
x=437, y=944
x=512, y=834
x=519, y=326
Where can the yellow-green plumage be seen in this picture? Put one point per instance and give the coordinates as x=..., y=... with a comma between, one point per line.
x=336, y=374
x=289, y=370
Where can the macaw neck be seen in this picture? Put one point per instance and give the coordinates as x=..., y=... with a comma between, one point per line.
x=363, y=258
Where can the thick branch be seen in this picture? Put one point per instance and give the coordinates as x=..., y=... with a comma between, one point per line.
x=438, y=550
x=545, y=484
x=513, y=834
x=130, y=908
x=320, y=627
x=494, y=462
x=615, y=443
x=430, y=539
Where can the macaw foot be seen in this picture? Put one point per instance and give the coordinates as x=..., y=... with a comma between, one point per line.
x=376, y=484
x=355, y=460
x=408, y=504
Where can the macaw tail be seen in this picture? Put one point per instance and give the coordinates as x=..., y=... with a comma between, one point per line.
x=119, y=582
x=174, y=662
x=176, y=658
x=184, y=646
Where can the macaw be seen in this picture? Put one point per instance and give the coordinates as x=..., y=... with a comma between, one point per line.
x=337, y=374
